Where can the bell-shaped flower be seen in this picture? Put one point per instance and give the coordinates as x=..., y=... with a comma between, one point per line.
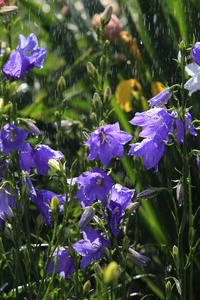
x=26, y=56
x=94, y=184
x=37, y=158
x=12, y=138
x=139, y=259
x=119, y=199
x=6, y=200
x=196, y=53
x=161, y=99
x=43, y=203
x=90, y=246
x=156, y=124
x=107, y=141
x=150, y=152
x=65, y=264
x=193, y=84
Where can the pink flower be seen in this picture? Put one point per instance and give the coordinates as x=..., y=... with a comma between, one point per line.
x=2, y=3
x=112, y=29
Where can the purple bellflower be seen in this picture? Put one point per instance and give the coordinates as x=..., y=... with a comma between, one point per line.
x=26, y=56
x=90, y=246
x=179, y=126
x=37, y=158
x=160, y=99
x=150, y=152
x=119, y=199
x=12, y=138
x=6, y=200
x=139, y=259
x=43, y=204
x=193, y=84
x=65, y=264
x=157, y=123
x=107, y=141
x=94, y=184
x=196, y=53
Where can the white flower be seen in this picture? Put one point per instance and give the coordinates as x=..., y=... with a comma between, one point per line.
x=193, y=84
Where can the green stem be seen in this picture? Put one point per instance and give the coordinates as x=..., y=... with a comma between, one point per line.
x=182, y=272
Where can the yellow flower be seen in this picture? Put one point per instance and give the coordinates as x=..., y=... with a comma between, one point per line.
x=156, y=88
x=124, y=92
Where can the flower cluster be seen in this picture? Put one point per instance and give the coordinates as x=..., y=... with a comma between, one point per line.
x=27, y=56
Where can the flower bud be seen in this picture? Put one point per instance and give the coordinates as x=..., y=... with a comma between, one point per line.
x=86, y=287
x=94, y=118
x=106, y=15
x=8, y=10
x=175, y=256
x=1, y=104
x=61, y=84
x=11, y=90
x=98, y=270
x=180, y=194
x=107, y=94
x=131, y=208
x=96, y=100
x=139, y=259
x=126, y=243
x=6, y=56
x=182, y=46
x=25, y=191
x=105, y=252
x=111, y=273
x=54, y=164
x=54, y=203
x=91, y=70
x=150, y=193
x=2, y=251
x=32, y=128
x=85, y=136
x=86, y=217
x=168, y=290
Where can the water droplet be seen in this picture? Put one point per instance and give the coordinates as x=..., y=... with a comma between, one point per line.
x=169, y=268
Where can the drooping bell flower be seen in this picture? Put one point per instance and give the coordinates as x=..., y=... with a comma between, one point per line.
x=196, y=53
x=27, y=56
x=90, y=246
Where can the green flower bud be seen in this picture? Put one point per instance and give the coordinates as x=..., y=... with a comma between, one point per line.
x=131, y=208
x=86, y=287
x=94, y=118
x=111, y=273
x=6, y=56
x=126, y=243
x=168, y=290
x=1, y=104
x=96, y=101
x=11, y=90
x=54, y=203
x=106, y=15
x=98, y=270
x=150, y=193
x=182, y=46
x=91, y=70
x=175, y=256
x=107, y=94
x=54, y=164
x=61, y=84
x=105, y=252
